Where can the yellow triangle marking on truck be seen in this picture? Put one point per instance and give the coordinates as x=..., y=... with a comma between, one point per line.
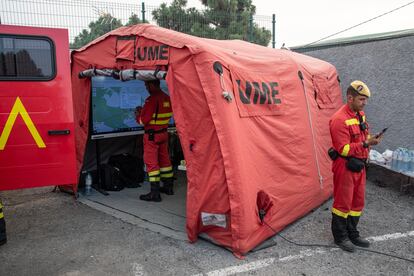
x=18, y=108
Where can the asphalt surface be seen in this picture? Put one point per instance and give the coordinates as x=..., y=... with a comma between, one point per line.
x=49, y=233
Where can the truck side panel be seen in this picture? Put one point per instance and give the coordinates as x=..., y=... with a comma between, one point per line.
x=37, y=145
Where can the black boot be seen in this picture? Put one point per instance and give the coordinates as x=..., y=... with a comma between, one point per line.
x=340, y=233
x=168, y=187
x=3, y=237
x=353, y=234
x=154, y=195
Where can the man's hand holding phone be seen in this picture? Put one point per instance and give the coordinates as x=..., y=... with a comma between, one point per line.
x=381, y=133
x=376, y=139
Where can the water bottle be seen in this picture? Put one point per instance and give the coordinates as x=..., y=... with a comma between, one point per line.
x=412, y=161
x=394, y=160
x=146, y=177
x=406, y=161
x=88, y=184
x=400, y=160
x=400, y=157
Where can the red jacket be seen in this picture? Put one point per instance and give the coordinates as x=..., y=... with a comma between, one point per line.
x=156, y=112
x=347, y=137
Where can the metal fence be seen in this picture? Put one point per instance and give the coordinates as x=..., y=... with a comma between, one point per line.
x=79, y=17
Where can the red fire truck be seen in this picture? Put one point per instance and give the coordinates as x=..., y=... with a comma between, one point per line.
x=37, y=145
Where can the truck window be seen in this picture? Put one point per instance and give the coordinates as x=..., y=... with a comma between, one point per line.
x=26, y=58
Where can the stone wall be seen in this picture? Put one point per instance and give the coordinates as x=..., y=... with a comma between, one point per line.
x=387, y=67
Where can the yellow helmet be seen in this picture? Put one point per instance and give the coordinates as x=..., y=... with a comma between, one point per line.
x=361, y=88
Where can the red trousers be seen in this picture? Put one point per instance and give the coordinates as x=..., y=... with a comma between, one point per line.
x=349, y=190
x=156, y=156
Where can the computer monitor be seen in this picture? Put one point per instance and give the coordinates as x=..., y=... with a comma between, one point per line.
x=113, y=106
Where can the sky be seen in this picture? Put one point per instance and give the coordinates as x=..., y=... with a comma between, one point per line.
x=303, y=22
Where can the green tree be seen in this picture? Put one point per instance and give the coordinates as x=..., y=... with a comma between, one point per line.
x=105, y=23
x=177, y=17
x=134, y=19
x=221, y=19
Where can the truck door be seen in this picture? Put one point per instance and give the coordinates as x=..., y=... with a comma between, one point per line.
x=37, y=145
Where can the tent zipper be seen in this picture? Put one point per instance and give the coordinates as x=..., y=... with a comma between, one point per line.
x=311, y=127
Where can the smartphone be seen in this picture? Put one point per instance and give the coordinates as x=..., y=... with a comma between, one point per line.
x=381, y=133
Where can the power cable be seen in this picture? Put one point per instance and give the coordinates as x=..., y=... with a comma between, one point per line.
x=359, y=24
x=332, y=246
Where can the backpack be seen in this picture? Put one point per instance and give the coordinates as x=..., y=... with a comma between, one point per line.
x=131, y=169
x=110, y=178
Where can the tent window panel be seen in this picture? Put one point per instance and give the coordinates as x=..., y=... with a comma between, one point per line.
x=125, y=48
x=322, y=90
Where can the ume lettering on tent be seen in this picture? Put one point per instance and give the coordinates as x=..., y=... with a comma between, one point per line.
x=264, y=94
x=153, y=53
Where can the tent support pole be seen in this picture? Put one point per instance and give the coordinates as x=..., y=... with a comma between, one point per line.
x=313, y=133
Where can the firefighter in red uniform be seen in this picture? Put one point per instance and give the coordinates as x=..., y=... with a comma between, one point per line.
x=351, y=141
x=155, y=115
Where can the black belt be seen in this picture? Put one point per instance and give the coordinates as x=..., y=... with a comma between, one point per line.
x=353, y=164
x=360, y=159
x=156, y=131
x=333, y=154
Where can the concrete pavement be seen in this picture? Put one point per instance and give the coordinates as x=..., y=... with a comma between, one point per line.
x=52, y=234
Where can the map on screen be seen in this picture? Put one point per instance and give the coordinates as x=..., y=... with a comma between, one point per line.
x=113, y=106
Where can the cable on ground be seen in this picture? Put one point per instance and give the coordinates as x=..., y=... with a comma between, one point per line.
x=334, y=246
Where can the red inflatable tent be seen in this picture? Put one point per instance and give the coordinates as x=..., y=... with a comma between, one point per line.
x=252, y=121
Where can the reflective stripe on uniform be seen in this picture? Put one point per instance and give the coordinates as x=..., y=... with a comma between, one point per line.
x=154, y=176
x=154, y=179
x=1, y=211
x=345, y=150
x=167, y=175
x=355, y=213
x=339, y=213
x=351, y=122
x=162, y=115
x=154, y=173
x=166, y=169
x=167, y=172
x=159, y=122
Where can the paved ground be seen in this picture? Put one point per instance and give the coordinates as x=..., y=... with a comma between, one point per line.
x=52, y=234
